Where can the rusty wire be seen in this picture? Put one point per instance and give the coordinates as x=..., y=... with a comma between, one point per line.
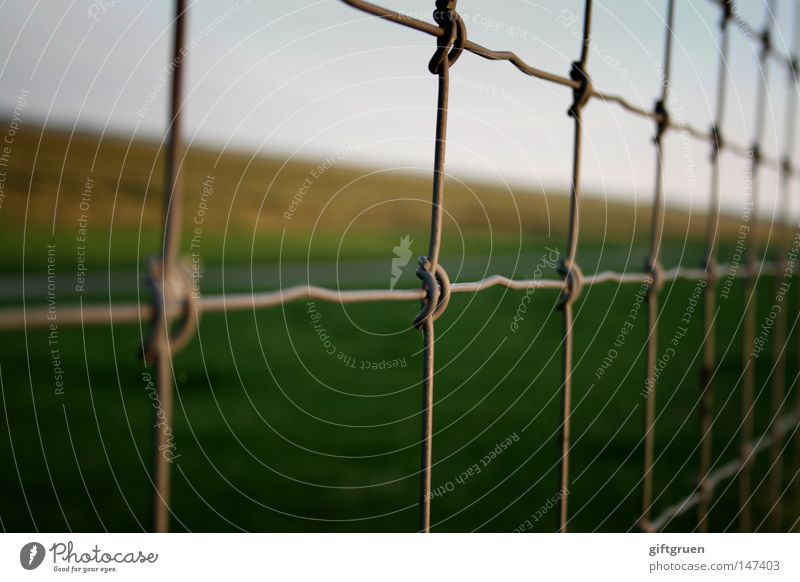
x=167, y=280
x=435, y=280
x=121, y=313
x=778, y=388
x=785, y=425
x=751, y=32
x=656, y=270
x=568, y=267
x=750, y=298
x=172, y=300
x=705, y=486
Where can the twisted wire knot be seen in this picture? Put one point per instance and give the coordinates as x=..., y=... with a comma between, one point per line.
x=663, y=122
x=573, y=282
x=710, y=265
x=746, y=452
x=705, y=485
x=755, y=151
x=176, y=287
x=582, y=92
x=451, y=44
x=436, y=284
x=727, y=12
x=766, y=40
x=786, y=167
x=656, y=272
x=716, y=140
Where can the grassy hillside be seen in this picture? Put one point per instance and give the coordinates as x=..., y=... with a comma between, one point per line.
x=274, y=433
x=342, y=209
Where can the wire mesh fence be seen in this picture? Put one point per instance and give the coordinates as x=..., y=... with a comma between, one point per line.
x=176, y=307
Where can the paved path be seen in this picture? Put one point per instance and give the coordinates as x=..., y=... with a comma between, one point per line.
x=375, y=273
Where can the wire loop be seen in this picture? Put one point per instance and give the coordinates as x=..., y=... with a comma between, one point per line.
x=656, y=272
x=451, y=44
x=766, y=40
x=717, y=141
x=583, y=91
x=727, y=12
x=755, y=152
x=436, y=284
x=786, y=168
x=664, y=121
x=176, y=287
x=573, y=282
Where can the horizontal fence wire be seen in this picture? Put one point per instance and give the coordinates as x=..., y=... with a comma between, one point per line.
x=708, y=136
x=173, y=299
x=784, y=426
x=127, y=313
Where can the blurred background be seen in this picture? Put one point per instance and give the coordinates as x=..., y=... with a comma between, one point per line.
x=309, y=134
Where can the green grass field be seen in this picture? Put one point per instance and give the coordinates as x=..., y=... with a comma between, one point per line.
x=274, y=433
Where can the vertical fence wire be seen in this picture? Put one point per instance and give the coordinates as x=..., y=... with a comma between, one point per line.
x=750, y=283
x=787, y=173
x=168, y=279
x=568, y=267
x=782, y=284
x=435, y=281
x=451, y=41
x=654, y=267
x=705, y=487
x=166, y=271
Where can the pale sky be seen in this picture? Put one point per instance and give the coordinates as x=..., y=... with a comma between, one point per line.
x=311, y=78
